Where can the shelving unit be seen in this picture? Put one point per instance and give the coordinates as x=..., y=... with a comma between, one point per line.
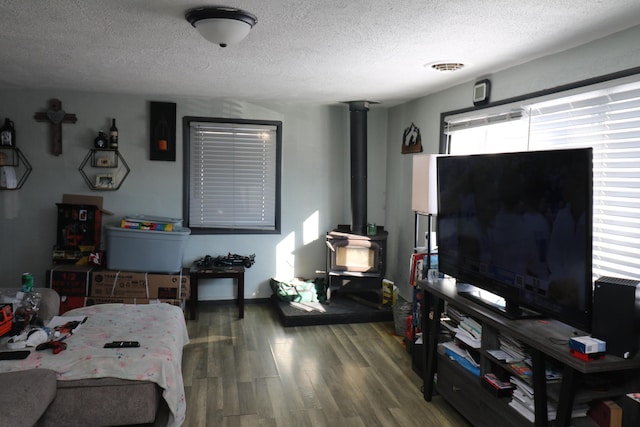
x=12, y=157
x=546, y=340
x=417, y=349
x=104, y=169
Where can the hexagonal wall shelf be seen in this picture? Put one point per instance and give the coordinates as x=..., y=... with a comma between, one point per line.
x=104, y=169
x=14, y=168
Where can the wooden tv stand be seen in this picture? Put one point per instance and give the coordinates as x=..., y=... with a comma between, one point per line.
x=547, y=339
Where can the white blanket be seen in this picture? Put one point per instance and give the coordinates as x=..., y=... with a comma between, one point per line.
x=161, y=331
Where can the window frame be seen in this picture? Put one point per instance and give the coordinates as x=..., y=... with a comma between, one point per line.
x=557, y=90
x=186, y=132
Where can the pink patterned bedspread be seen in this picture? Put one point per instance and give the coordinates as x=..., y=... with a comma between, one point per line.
x=161, y=331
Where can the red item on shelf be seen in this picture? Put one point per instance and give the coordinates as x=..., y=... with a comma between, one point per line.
x=409, y=328
x=586, y=357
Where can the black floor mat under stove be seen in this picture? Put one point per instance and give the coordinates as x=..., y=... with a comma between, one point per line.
x=341, y=309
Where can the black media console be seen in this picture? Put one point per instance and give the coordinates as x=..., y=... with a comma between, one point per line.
x=547, y=340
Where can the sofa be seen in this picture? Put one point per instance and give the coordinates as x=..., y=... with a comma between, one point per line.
x=25, y=396
x=72, y=389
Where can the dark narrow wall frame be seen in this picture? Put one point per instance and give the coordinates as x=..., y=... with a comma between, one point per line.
x=162, y=131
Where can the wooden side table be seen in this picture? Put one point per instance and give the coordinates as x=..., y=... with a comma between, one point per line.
x=234, y=272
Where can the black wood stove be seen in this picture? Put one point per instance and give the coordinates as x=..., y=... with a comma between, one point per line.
x=356, y=255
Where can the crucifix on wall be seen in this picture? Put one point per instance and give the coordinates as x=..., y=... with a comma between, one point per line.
x=56, y=116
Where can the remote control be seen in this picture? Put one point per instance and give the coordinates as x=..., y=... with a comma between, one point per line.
x=14, y=355
x=122, y=344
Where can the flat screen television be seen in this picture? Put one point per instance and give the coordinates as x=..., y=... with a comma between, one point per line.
x=519, y=225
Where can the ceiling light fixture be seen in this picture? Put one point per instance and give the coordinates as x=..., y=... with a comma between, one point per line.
x=221, y=25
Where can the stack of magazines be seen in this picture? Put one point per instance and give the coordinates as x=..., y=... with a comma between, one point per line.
x=469, y=332
x=461, y=356
x=516, y=351
x=522, y=400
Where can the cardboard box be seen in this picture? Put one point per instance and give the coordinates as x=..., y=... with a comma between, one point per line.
x=79, y=199
x=72, y=257
x=606, y=413
x=169, y=286
x=587, y=345
x=120, y=284
x=389, y=292
x=70, y=302
x=70, y=280
x=94, y=301
x=129, y=284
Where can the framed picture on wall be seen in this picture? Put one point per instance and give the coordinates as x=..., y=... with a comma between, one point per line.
x=104, y=181
x=162, y=131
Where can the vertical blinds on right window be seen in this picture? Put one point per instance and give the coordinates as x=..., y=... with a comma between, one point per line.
x=606, y=119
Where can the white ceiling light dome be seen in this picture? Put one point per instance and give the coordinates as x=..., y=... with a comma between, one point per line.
x=221, y=25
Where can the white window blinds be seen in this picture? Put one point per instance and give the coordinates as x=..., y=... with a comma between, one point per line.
x=606, y=119
x=233, y=175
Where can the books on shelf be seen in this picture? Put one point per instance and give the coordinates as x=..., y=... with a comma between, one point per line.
x=523, y=410
x=498, y=387
x=522, y=385
x=522, y=400
x=552, y=374
x=467, y=338
x=453, y=314
x=462, y=357
x=522, y=369
x=449, y=325
x=417, y=268
x=517, y=351
x=470, y=328
x=501, y=355
x=472, y=324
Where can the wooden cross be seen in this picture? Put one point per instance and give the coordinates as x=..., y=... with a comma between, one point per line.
x=55, y=115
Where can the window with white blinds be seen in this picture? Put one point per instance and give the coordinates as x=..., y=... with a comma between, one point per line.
x=233, y=175
x=606, y=119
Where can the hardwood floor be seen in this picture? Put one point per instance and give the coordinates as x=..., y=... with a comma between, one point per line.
x=255, y=372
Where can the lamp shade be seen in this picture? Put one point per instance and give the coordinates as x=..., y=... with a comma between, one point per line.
x=221, y=25
x=424, y=189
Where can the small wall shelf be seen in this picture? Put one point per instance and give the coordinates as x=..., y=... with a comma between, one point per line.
x=15, y=168
x=104, y=169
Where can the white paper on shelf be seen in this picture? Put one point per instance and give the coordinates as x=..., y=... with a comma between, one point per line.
x=465, y=337
x=523, y=410
x=460, y=352
x=502, y=355
x=521, y=385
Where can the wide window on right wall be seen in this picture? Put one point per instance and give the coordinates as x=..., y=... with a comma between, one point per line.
x=604, y=116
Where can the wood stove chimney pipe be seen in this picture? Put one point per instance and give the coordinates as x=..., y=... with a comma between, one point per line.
x=358, y=115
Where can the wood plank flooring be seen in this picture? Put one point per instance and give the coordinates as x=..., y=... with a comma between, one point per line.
x=255, y=372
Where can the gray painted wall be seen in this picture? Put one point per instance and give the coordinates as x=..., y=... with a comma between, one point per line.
x=315, y=189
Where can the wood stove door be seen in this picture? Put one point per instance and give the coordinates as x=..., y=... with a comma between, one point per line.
x=355, y=256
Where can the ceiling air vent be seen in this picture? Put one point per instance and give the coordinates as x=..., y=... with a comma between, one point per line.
x=447, y=66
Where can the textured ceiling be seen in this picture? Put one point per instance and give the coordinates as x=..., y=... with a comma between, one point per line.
x=299, y=52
